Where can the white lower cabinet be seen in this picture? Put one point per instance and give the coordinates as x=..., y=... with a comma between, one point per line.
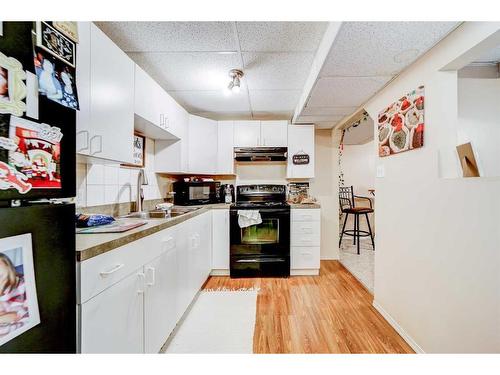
x=160, y=299
x=220, y=242
x=134, y=310
x=113, y=321
x=305, y=241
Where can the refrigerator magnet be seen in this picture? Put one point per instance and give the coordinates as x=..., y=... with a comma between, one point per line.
x=12, y=86
x=18, y=298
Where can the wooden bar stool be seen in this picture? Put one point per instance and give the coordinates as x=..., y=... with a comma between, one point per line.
x=348, y=206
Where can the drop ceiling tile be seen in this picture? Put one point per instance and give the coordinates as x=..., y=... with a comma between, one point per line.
x=277, y=71
x=212, y=101
x=188, y=71
x=225, y=116
x=327, y=111
x=280, y=36
x=345, y=91
x=381, y=48
x=314, y=119
x=274, y=100
x=171, y=36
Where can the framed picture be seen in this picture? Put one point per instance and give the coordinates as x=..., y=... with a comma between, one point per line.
x=18, y=299
x=139, y=151
x=401, y=124
x=12, y=86
x=56, y=43
x=56, y=80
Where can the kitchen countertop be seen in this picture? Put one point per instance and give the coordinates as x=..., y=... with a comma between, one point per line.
x=91, y=245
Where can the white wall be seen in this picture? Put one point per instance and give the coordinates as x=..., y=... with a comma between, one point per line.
x=358, y=165
x=437, y=264
x=479, y=122
x=101, y=183
x=324, y=187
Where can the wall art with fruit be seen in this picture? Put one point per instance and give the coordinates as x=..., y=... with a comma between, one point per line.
x=401, y=124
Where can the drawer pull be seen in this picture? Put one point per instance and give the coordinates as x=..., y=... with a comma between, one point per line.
x=306, y=217
x=141, y=276
x=112, y=270
x=151, y=270
x=307, y=230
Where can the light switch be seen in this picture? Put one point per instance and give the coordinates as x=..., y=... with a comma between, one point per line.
x=380, y=171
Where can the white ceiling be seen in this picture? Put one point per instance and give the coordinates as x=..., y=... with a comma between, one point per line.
x=191, y=61
x=362, y=59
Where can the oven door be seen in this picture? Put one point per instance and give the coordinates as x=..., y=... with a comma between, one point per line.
x=270, y=238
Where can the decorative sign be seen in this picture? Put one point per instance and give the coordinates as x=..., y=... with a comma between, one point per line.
x=139, y=151
x=68, y=28
x=401, y=124
x=18, y=298
x=300, y=158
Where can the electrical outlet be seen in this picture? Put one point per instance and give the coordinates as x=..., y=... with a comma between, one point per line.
x=380, y=171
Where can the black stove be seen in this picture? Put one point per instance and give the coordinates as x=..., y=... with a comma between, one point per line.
x=261, y=250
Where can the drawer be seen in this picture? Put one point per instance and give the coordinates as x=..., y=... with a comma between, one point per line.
x=306, y=214
x=305, y=233
x=304, y=257
x=103, y=271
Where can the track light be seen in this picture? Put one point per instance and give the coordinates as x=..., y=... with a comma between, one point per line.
x=235, y=83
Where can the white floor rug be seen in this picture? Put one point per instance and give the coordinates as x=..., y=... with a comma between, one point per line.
x=362, y=265
x=219, y=322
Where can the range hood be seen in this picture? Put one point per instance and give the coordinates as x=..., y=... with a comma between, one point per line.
x=256, y=154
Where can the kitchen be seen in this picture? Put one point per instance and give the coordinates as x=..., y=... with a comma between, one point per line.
x=204, y=185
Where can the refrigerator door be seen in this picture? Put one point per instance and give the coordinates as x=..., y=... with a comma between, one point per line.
x=42, y=157
x=53, y=241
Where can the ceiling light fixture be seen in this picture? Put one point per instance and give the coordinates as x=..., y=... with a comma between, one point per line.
x=235, y=83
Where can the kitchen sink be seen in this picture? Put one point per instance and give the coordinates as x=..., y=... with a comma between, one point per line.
x=159, y=214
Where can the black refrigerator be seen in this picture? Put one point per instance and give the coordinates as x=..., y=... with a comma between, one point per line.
x=38, y=104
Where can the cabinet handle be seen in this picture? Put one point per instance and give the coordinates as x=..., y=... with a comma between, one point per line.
x=306, y=217
x=151, y=270
x=161, y=120
x=307, y=230
x=141, y=276
x=112, y=270
x=87, y=144
x=99, y=137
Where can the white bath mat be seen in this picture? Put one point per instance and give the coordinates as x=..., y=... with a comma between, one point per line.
x=219, y=322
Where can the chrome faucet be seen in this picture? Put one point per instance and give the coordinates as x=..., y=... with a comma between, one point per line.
x=142, y=179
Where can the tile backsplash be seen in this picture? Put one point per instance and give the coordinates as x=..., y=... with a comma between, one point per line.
x=104, y=183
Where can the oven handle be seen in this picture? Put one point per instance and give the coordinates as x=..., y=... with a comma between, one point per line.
x=264, y=260
x=262, y=210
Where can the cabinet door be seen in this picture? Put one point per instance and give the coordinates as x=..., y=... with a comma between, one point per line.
x=225, y=149
x=300, y=140
x=274, y=133
x=184, y=241
x=83, y=88
x=247, y=134
x=112, y=321
x=146, y=100
x=220, y=239
x=112, y=99
x=160, y=300
x=202, y=145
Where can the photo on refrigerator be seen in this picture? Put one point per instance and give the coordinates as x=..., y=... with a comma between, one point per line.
x=18, y=299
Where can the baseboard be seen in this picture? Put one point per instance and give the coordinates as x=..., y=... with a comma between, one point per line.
x=313, y=272
x=219, y=273
x=409, y=340
x=329, y=258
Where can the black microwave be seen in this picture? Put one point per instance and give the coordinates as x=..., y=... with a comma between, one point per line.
x=196, y=192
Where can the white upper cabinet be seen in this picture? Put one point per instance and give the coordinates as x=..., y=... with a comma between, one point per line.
x=246, y=133
x=300, y=141
x=203, y=135
x=225, y=150
x=157, y=114
x=274, y=133
x=83, y=88
x=260, y=133
x=111, y=99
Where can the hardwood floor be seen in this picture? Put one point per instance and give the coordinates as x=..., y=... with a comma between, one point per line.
x=330, y=313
